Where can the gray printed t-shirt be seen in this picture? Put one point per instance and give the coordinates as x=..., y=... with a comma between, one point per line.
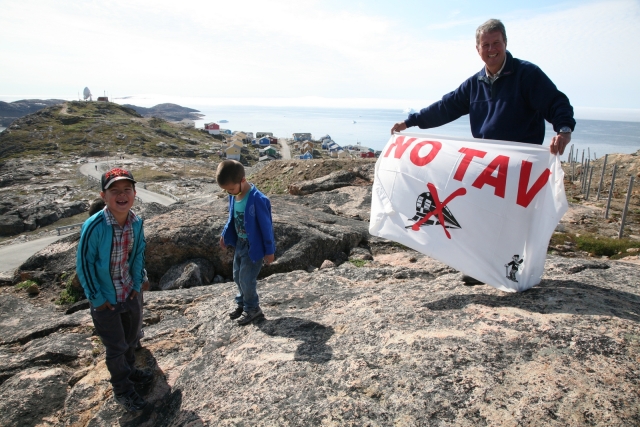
x=238, y=216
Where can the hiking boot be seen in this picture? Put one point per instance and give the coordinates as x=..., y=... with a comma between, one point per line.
x=233, y=315
x=470, y=281
x=130, y=400
x=249, y=316
x=141, y=376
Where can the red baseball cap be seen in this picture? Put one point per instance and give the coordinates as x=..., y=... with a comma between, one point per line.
x=115, y=174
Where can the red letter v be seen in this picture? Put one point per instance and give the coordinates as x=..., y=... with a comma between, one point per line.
x=525, y=197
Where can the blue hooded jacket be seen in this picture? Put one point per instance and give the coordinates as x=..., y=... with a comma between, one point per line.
x=257, y=223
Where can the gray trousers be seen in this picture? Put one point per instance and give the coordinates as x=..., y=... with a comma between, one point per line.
x=118, y=330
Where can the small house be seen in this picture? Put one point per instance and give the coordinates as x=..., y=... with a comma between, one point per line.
x=306, y=146
x=261, y=134
x=301, y=136
x=103, y=99
x=273, y=140
x=226, y=131
x=233, y=152
x=261, y=141
x=269, y=151
x=306, y=156
x=212, y=128
x=367, y=154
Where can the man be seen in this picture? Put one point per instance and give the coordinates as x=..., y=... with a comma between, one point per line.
x=509, y=99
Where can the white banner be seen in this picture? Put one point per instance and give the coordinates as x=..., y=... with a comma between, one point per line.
x=486, y=208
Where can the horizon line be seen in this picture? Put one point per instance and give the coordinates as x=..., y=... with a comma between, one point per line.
x=581, y=112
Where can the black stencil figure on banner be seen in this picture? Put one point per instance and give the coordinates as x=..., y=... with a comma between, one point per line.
x=515, y=266
x=428, y=204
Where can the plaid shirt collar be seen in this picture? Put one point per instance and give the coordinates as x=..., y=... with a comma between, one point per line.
x=111, y=220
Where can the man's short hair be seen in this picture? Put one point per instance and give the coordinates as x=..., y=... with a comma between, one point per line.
x=489, y=27
x=229, y=172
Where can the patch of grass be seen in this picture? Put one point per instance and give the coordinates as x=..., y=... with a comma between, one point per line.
x=25, y=284
x=358, y=262
x=561, y=239
x=70, y=294
x=606, y=246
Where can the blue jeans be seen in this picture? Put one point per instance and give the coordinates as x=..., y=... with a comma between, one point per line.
x=245, y=274
x=118, y=330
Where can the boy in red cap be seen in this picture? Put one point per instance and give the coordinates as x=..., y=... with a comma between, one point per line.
x=110, y=267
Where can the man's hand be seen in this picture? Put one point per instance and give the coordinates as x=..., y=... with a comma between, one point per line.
x=398, y=127
x=222, y=245
x=133, y=294
x=559, y=142
x=106, y=306
x=268, y=259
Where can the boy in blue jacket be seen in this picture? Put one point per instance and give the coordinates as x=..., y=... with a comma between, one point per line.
x=250, y=230
x=110, y=267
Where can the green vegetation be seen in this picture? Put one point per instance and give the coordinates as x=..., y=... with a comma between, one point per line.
x=358, y=262
x=70, y=294
x=98, y=129
x=25, y=284
x=596, y=245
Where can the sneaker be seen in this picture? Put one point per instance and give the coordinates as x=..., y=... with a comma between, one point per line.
x=236, y=313
x=249, y=316
x=470, y=281
x=141, y=376
x=130, y=400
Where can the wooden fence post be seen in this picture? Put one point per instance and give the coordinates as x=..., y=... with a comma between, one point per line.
x=613, y=180
x=626, y=206
x=604, y=167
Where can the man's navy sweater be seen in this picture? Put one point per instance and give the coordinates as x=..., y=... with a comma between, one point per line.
x=513, y=108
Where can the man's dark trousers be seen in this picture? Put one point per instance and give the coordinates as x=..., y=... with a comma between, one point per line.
x=118, y=330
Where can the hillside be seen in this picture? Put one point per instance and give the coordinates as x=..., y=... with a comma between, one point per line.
x=99, y=128
x=10, y=111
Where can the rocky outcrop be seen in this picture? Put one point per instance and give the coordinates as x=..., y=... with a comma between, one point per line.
x=362, y=175
x=10, y=111
x=197, y=272
x=167, y=111
x=305, y=237
x=399, y=341
x=37, y=214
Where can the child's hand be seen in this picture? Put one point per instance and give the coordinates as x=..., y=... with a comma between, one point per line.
x=133, y=294
x=268, y=259
x=106, y=306
x=222, y=245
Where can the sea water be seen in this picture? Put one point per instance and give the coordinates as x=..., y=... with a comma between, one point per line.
x=371, y=127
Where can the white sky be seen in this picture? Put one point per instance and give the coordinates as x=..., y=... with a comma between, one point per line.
x=307, y=52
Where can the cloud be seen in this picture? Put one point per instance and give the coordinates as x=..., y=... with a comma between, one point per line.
x=303, y=49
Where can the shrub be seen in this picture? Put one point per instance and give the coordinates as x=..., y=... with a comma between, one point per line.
x=26, y=284
x=606, y=246
x=70, y=294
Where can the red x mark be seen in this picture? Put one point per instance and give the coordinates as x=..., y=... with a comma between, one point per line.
x=439, y=206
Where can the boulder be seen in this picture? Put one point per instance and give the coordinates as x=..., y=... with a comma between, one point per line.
x=10, y=225
x=21, y=322
x=197, y=272
x=33, y=395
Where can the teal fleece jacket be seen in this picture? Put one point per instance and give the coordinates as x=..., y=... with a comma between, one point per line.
x=93, y=259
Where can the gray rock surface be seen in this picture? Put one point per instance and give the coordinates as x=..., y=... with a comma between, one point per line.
x=304, y=236
x=399, y=341
x=31, y=397
x=21, y=321
x=197, y=272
